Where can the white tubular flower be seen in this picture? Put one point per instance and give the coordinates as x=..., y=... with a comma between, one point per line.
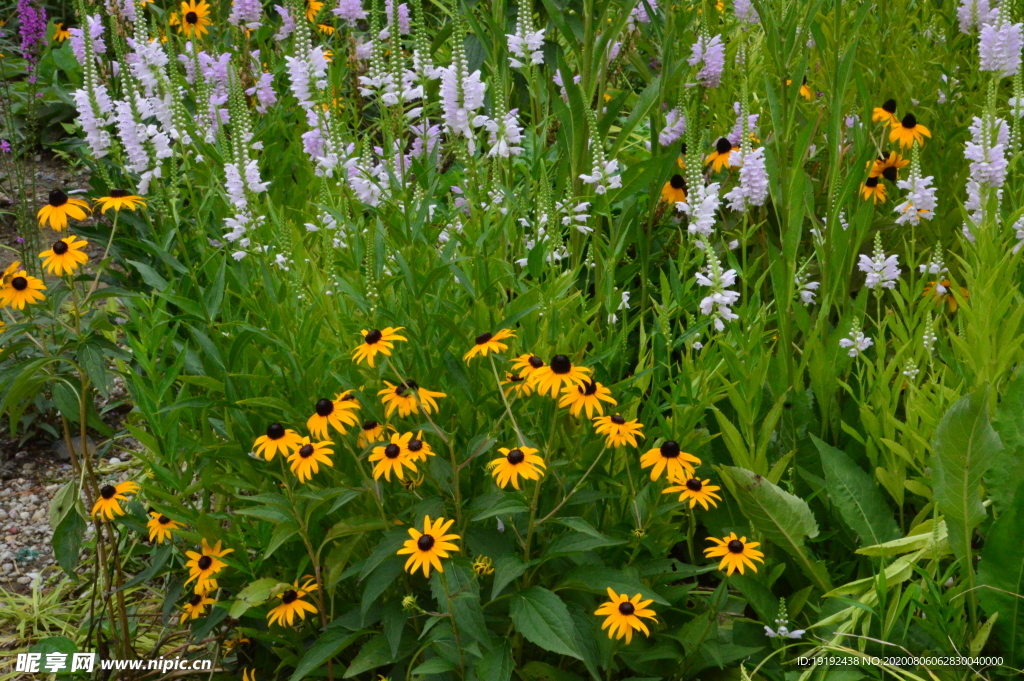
x=718, y=303
x=701, y=209
x=856, y=342
x=881, y=270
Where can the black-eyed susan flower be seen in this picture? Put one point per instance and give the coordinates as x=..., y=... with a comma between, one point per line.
x=886, y=113
x=940, y=292
x=339, y=413
x=231, y=644
x=696, y=491
x=514, y=383
x=20, y=289
x=560, y=373
x=428, y=547
x=108, y=504
x=719, y=158
x=525, y=365
x=305, y=461
x=735, y=552
x=515, y=463
x=888, y=166
x=412, y=480
x=392, y=457
x=160, y=527
x=369, y=433
x=203, y=566
x=65, y=256
x=374, y=341
x=681, y=160
x=489, y=342
x=617, y=430
x=195, y=17
x=805, y=90
x=622, y=615
x=586, y=395
x=118, y=199
x=13, y=268
x=483, y=565
x=418, y=448
x=292, y=605
x=671, y=459
x=277, y=439
x=908, y=132
x=325, y=29
x=313, y=8
x=674, y=191
x=60, y=34
x=195, y=607
x=59, y=208
x=873, y=189
x=248, y=674
x=408, y=398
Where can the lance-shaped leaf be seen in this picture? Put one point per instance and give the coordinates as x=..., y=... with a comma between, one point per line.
x=859, y=501
x=1001, y=578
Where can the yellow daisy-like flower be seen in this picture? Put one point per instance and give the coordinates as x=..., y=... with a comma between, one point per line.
x=888, y=166
x=203, y=566
x=392, y=457
x=561, y=372
x=873, y=189
x=617, y=430
x=374, y=341
x=514, y=383
x=370, y=432
x=326, y=29
x=248, y=674
x=339, y=413
x=696, y=490
x=886, y=113
x=107, y=505
x=161, y=527
x=428, y=547
x=413, y=480
x=59, y=208
x=11, y=270
x=418, y=449
x=194, y=18
x=118, y=199
x=515, y=463
x=940, y=292
x=65, y=256
x=622, y=615
x=60, y=34
x=292, y=604
x=735, y=552
x=668, y=457
x=489, y=342
x=586, y=395
x=195, y=607
x=313, y=8
x=408, y=398
x=305, y=461
x=525, y=365
x=483, y=565
x=908, y=132
x=20, y=290
x=719, y=158
x=674, y=190
x=277, y=439
x=232, y=643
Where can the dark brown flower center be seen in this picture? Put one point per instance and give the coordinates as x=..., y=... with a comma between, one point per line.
x=163, y=520
x=58, y=198
x=484, y=338
x=415, y=445
x=347, y=397
x=275, y=431
x=890, y=106
x=560, y=364
x=290, y=596
x=677, y=181
x=425, y=542
x=909, y=121
x=627, y=608
x=392, y=451
x=871, y=182
x=670, y=449
x=515, y=378
x=682, y=149
x=515, y=457
x=587, y=388
x=370, y=425
x=373, y=337
x=412, y=385
x=890, y=173
x=191, y=17
x=108, y=492
x=535, y=361
x=617, y=420
x=19, y=283
x=694, y=484
x=195, y=600
x=723, y=145
x=204, y=562
x=735, y=546
x=306, y=451
x=60, y=247
x=117, y=193
x=324, y=407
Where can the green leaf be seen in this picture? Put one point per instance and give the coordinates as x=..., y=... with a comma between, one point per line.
x=599, y=579
x=858, y=499
x=496, y=665
x=375, y=653
x=507, y=506
x=149, y=275
x=332, y=642
x=965, y=444
x=158, y=560
x=1001, y=578
x=506, y=569
x=282, y=533
x=63, y=501
x=67, y=541
x=379, y=580
x=435, y=665
x=782, y=518
x=542, y=618
x=252, y=595
x=1002, y=476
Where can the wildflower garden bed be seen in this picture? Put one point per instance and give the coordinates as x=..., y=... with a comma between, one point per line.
x=544, y=340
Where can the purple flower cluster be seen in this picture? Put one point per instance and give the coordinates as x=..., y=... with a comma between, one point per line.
x=999, y=46
x=33, y=32
x=710, y=55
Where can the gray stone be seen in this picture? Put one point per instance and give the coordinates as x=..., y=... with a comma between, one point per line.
x=60, y=447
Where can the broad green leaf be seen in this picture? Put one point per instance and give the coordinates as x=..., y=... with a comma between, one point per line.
x=1001, y=579
x=252, y=595
x=379, y=580
x=507, y=506
x=435, y=665
x=859, y=501
x=496, y=665
x=67, y=541
x=542, y=618
x=506, y=569
x=922, y=538
x=375, y=653
x=63, y=501
x=282, y=533
x=1003, y=474
x=158, y=560
x=599, y=579
x=332, y=642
